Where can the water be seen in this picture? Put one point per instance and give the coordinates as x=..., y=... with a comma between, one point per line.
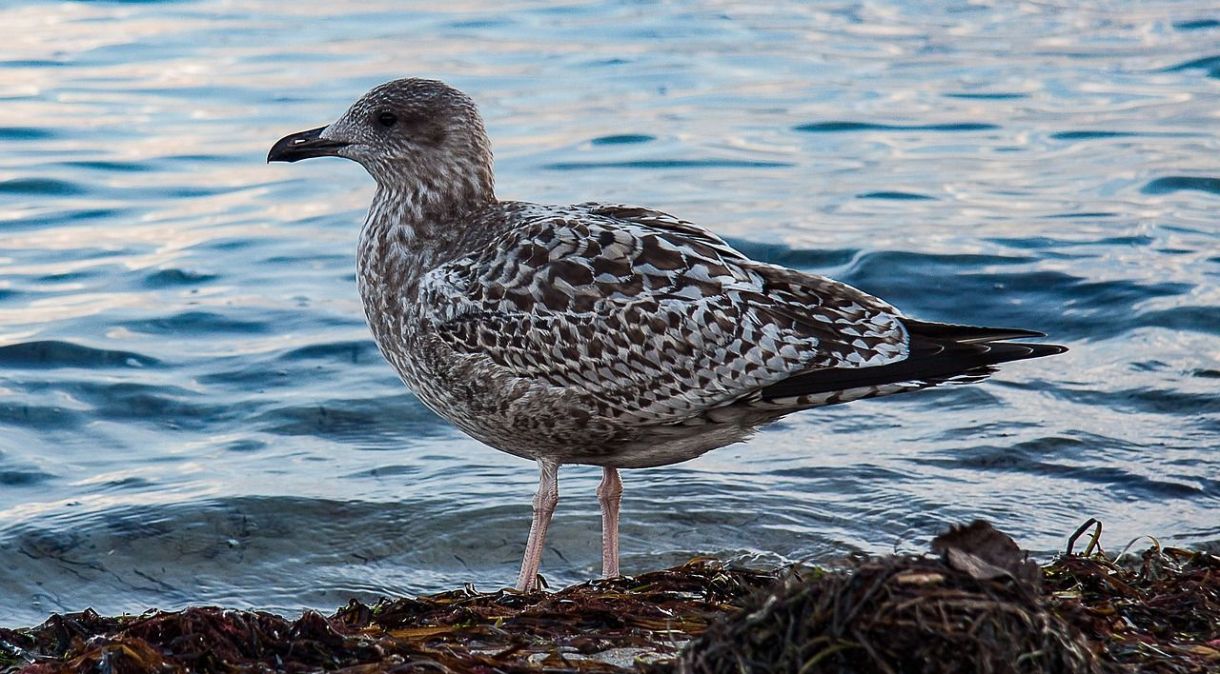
x=191, y=410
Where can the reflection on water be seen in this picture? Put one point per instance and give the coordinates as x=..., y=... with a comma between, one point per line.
x=191, y=409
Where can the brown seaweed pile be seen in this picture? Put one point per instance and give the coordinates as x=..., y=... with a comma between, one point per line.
x=1160, y=615
x=979, y=606
x=603, y=626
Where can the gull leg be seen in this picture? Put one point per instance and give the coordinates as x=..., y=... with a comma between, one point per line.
x=544, y=507
x=609, y=493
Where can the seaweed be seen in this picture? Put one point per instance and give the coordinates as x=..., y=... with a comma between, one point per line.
x=609, y=625
x=1157, y=612
x=977, y=608
x=982, y=606
x=977, y=605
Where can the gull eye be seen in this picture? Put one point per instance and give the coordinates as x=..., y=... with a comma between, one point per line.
x=387, y=119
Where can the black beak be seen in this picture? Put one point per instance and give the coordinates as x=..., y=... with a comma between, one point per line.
x=303, y=145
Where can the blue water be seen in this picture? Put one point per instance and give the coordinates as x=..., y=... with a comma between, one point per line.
x=191, y=410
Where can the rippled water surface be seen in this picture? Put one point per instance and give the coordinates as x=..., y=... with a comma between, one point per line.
x=191, y=409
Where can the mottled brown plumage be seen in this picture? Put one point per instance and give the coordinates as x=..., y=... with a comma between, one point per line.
x=599, y=334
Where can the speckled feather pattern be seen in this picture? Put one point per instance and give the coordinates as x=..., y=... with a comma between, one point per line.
x=651, y=319
x=633, y=325
x=598, y=333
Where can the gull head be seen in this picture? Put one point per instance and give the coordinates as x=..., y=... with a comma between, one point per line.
x=412, y=135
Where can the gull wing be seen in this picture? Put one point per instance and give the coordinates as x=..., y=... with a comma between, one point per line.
x=649, y=318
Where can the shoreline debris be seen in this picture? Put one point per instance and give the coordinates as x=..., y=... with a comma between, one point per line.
x=980, y=605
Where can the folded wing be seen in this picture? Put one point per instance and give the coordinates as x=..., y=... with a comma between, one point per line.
x=654, y=320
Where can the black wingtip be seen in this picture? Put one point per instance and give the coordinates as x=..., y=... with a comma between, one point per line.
x=1041, y=350
x=966, y=334
x=933, y=360
x=995, y=353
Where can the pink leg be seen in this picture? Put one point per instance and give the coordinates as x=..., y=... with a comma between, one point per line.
x=544, y=507
x=609, y=493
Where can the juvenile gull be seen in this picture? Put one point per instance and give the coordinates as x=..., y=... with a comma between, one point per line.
x=600, y=334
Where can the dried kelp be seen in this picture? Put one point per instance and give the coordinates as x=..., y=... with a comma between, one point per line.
x=602, y=626
x=974, y=610
x=980, y=606
x=1159, y=613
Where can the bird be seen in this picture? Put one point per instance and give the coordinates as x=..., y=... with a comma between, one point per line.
x=600, y=334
